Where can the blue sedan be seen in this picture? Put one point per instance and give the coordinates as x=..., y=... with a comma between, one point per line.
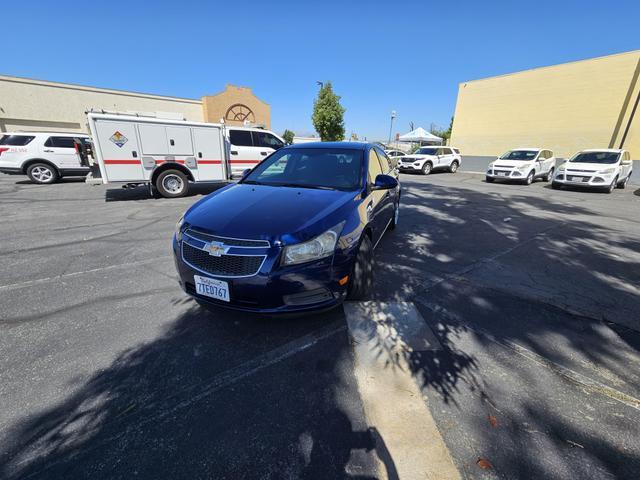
x=296, y=233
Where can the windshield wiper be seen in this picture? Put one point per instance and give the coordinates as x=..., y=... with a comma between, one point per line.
x=300, y=185
x=252, y=182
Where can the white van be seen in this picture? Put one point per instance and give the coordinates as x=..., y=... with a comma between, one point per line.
x=249, y=146
x=169, y=154
x=43, y=156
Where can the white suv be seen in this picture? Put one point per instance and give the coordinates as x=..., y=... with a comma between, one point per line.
x=426, y=159
x=524, y=165
x=44, y=157
x=604, y=169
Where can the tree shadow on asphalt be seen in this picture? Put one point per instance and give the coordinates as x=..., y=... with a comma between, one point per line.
x=218, y=395
x=447, y=239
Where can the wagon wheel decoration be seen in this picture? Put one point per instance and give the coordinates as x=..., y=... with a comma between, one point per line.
x=240, y=113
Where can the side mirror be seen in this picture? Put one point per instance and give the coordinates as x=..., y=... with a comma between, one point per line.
x=626, y=162
x=384, y=182
x=246, y=172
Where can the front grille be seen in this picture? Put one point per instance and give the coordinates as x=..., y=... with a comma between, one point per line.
x=576, y=178
x=576, y=170
x=501, y=171
x=230, y=242
x=225, y=265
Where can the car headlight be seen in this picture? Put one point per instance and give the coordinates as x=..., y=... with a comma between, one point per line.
x=490, y=167
x=178, y=228
x=607, y=170
x=524, y=168
x=319, y=247
x=561, y=168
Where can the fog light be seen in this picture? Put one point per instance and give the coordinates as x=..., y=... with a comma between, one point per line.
x=598, y=179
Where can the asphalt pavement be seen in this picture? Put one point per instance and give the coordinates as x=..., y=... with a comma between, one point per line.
x=108, y=370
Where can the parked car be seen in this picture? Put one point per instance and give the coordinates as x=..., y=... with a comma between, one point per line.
x=43, y=157
x=249, y=146
x=395, y=153
x=523, y=165
x=604, y=169
x=296, y=233
x=426, y=159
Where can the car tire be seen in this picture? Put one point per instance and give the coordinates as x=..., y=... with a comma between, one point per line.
x=426, y=168
x=622, y=185
x=613, y=186
x=556, y=185
x=172, y=184
x=42, y=173
x=453, y=168
x=530, y=177
x=489, y=179
x=361, y=282
x=549, y=174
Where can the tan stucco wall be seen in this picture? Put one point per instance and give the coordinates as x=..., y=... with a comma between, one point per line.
x=215, y=106
x=565, y=108
x=27, y=104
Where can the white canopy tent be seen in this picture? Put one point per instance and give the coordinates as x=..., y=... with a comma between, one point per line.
x=420, y=135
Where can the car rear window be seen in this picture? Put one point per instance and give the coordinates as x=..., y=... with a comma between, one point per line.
x=60, y=142
x=240, y=138
x=16, y=140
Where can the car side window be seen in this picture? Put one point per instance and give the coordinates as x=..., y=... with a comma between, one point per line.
x=374, y=166
x=267, y=140
x=385, y=162
x=59, y=142
x=240, y=138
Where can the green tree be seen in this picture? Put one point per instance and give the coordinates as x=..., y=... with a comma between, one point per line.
x=288, y=136
x=328, y=115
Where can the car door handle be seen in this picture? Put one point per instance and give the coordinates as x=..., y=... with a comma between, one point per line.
x=233, y=152
x=48, y=151
x=263, y=153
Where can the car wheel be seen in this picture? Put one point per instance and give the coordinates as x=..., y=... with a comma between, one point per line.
x=612, y=187
x=529, y=179
x=361, y=282
x=489, y=179
x=426, y=168
x=556, y=185
x=42, y=173
x=623, y=184
x=549, y=174
x=453, y=168
x=172, y=184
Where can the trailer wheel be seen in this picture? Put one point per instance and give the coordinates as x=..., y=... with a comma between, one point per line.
x=172, y=184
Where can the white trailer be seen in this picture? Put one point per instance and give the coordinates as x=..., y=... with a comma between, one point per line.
x=165, y=154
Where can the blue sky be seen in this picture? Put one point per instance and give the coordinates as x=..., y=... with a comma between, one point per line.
x=380, y=56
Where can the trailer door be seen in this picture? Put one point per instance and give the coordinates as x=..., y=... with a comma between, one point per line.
x=209, y=153
x=119, y=149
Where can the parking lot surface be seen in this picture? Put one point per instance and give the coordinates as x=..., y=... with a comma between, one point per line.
x=108, y=370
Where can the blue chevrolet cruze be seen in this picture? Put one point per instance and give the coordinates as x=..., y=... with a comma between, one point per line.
x=297, y=233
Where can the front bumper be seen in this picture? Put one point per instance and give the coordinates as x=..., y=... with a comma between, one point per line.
x=506, y=174
x=410, y=167
x=584, y=179
x=274, y=289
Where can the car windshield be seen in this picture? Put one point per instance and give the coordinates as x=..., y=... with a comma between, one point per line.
x=339, y=169
x=427, y=151
x=520, y=155
x=596, y=157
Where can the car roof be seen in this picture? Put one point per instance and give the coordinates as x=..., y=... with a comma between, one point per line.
x=332, y=145
x=537, y=149
x=611, y=150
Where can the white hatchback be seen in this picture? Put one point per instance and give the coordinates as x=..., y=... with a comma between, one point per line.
x=523, y=165
x=604, y=169
x=44, y=157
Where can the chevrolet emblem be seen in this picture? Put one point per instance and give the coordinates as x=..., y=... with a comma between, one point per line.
x=216, y=249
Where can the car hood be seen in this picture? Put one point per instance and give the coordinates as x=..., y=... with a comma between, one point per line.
x=588, y=167
x=270, y=213
x=413, y=158
x=511, y=163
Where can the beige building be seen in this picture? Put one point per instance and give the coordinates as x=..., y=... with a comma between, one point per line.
x=567, y=107
x=27, y=104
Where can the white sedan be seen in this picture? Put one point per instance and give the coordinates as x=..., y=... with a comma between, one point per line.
x=524, y=165
x=604, y=169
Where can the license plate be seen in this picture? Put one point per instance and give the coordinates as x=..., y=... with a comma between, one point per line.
x=502, y=174
x=210, y=287
x=575, y=179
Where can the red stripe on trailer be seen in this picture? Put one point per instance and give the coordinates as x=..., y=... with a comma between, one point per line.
x=121, y=162
x=245, y=161
x=210, y=162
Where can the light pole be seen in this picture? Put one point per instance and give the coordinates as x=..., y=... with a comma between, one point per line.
x=393, y=115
